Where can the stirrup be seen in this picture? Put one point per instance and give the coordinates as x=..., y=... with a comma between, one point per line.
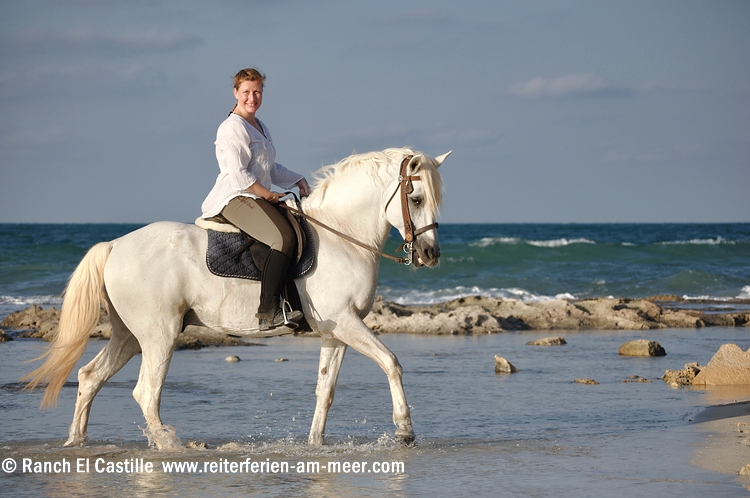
x=281, y=316
x=291, y=317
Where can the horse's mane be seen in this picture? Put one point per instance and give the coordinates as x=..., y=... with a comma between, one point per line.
x=374, y=164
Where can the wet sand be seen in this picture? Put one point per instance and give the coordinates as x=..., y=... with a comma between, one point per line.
x=725, y=438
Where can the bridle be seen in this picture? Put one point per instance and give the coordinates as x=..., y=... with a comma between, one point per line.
x=405, y=185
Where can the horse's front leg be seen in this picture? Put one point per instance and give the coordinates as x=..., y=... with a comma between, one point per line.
x=352, y=331
x=331, y=356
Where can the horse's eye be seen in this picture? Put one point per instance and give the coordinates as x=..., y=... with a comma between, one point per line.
x=416, y=201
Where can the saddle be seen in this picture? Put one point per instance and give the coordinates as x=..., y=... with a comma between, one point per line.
x=229, y=254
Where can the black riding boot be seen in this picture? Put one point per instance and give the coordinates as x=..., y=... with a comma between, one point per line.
x=270, y=315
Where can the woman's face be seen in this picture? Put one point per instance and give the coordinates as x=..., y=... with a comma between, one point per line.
x=249, y=96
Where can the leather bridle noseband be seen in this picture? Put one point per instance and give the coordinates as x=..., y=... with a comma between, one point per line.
x=405, y=185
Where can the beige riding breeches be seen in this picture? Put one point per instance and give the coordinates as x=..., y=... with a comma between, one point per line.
x=262, y=221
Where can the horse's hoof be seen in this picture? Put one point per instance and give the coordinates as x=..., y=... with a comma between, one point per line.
x=406, y=438
x=77, y=441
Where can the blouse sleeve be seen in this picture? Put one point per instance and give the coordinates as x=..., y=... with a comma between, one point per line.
x=283, y=177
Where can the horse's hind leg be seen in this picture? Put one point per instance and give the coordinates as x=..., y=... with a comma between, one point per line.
x=156, y=357
x=331, y=355
x=121, y=347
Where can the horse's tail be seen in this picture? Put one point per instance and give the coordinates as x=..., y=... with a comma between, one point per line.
x=84, y=297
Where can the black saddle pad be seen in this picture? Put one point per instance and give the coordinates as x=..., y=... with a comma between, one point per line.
x=228, y=255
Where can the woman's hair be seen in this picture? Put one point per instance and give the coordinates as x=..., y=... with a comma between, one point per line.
x=249, y=74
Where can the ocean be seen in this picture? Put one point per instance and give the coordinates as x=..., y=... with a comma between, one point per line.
x=530, y=262
x=534, y=433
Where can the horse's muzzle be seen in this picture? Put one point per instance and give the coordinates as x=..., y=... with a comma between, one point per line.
x=429, y=256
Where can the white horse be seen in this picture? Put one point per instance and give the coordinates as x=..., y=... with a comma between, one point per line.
x=154, y=281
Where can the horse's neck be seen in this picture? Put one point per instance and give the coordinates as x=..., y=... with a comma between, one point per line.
x=352, y=210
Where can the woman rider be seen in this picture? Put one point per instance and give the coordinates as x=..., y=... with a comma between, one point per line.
x=242, y=193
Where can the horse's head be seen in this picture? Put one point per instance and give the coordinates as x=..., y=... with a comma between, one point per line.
x=415, y=206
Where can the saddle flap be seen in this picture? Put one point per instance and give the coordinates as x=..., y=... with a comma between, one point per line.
x=228, y=253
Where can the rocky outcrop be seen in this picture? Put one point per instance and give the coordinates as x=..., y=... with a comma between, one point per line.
x=587, y=381
x=472, y=318
x=201, y=337
x=464, y=316
x=38, y=323
x=5, y=337
x=729, y=366
x=684, y=377
x=34, y=322
x=481, y=315
x=548, y=341
x=641, y=347
x=637, y=379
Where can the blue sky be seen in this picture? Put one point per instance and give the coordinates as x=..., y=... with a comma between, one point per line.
x=581, y=111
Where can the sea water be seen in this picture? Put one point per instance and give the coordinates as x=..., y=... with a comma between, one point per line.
x=521, y=261
x=533, y=433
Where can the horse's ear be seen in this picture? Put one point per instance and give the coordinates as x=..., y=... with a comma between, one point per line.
x=439, y=159
x=414, y=164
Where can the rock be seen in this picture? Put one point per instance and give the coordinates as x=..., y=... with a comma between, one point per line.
x=232, y=358
x=201, y=337
x=4, y=337
x=39, y=323
x=677, y=378
x=548, y=341
x=641, y=347
x=635, y=378
x=591, y=382
x=34, y=321
x=462, y=319
x=481, y=315
x=729, y=366
x=504, y=366
x=745, y=471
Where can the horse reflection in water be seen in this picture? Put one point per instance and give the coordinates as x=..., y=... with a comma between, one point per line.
x=154, y=281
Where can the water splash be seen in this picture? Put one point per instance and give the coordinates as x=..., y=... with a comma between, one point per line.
x=163, y=438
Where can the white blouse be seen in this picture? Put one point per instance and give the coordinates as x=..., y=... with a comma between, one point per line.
x=245, y=156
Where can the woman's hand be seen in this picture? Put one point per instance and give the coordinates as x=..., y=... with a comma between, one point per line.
x=262, y=192
x=304, y=188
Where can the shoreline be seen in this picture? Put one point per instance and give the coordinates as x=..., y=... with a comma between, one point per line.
x=724, y=446
x=721, y=431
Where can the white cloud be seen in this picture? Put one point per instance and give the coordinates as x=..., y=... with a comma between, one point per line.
x=571, y=85
x=89, y=42
x=38, y=136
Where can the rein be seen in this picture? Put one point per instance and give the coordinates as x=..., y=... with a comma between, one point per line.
x=406, y=187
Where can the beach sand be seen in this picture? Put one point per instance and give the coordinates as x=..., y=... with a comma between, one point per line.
x=724, y=430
